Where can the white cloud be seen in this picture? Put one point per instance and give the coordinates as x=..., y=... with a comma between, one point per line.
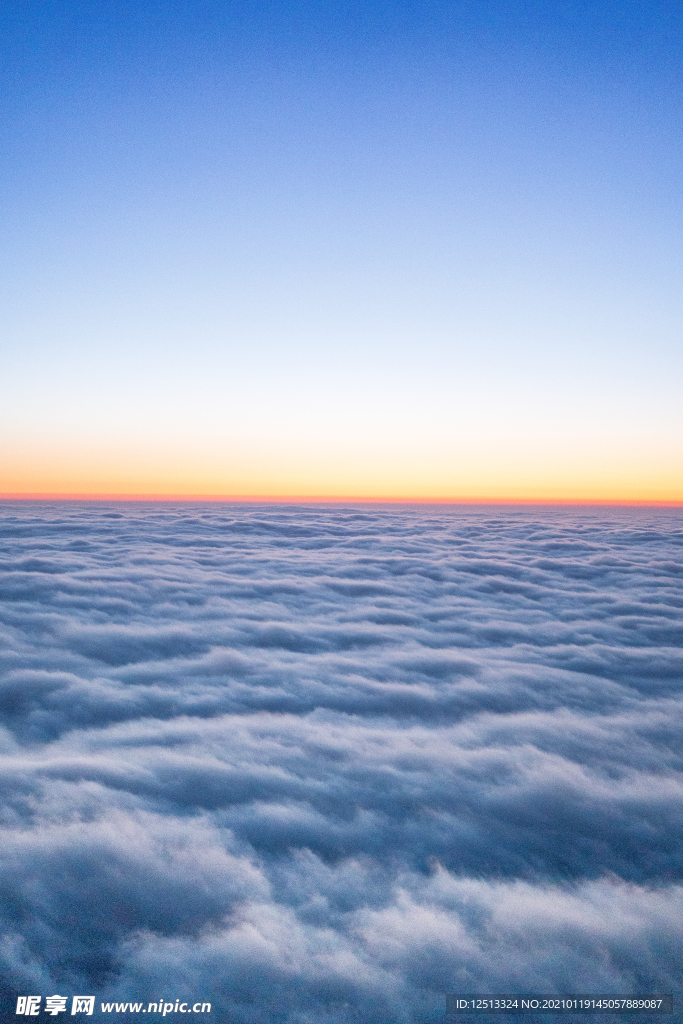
x=320, y=764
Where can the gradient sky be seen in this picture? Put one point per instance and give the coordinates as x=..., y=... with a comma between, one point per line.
x=414, y=249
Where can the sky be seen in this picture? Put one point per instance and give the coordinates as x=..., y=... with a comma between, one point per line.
x=417, y=249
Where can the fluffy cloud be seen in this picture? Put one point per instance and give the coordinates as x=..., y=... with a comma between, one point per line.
x=326, y=764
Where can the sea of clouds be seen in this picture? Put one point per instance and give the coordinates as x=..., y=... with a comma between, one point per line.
x=320, y=765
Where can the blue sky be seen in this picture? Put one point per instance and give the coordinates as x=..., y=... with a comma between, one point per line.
x=434, y=246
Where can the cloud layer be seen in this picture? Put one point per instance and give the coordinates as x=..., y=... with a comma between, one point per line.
x=327, y=764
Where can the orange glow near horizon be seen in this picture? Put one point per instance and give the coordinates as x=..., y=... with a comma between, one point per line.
x=515, y=475
x=339, y=499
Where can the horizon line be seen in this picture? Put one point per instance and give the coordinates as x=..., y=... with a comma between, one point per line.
x=342, y=499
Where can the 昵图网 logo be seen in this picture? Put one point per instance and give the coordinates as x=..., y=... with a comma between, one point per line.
x=30, y=1006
